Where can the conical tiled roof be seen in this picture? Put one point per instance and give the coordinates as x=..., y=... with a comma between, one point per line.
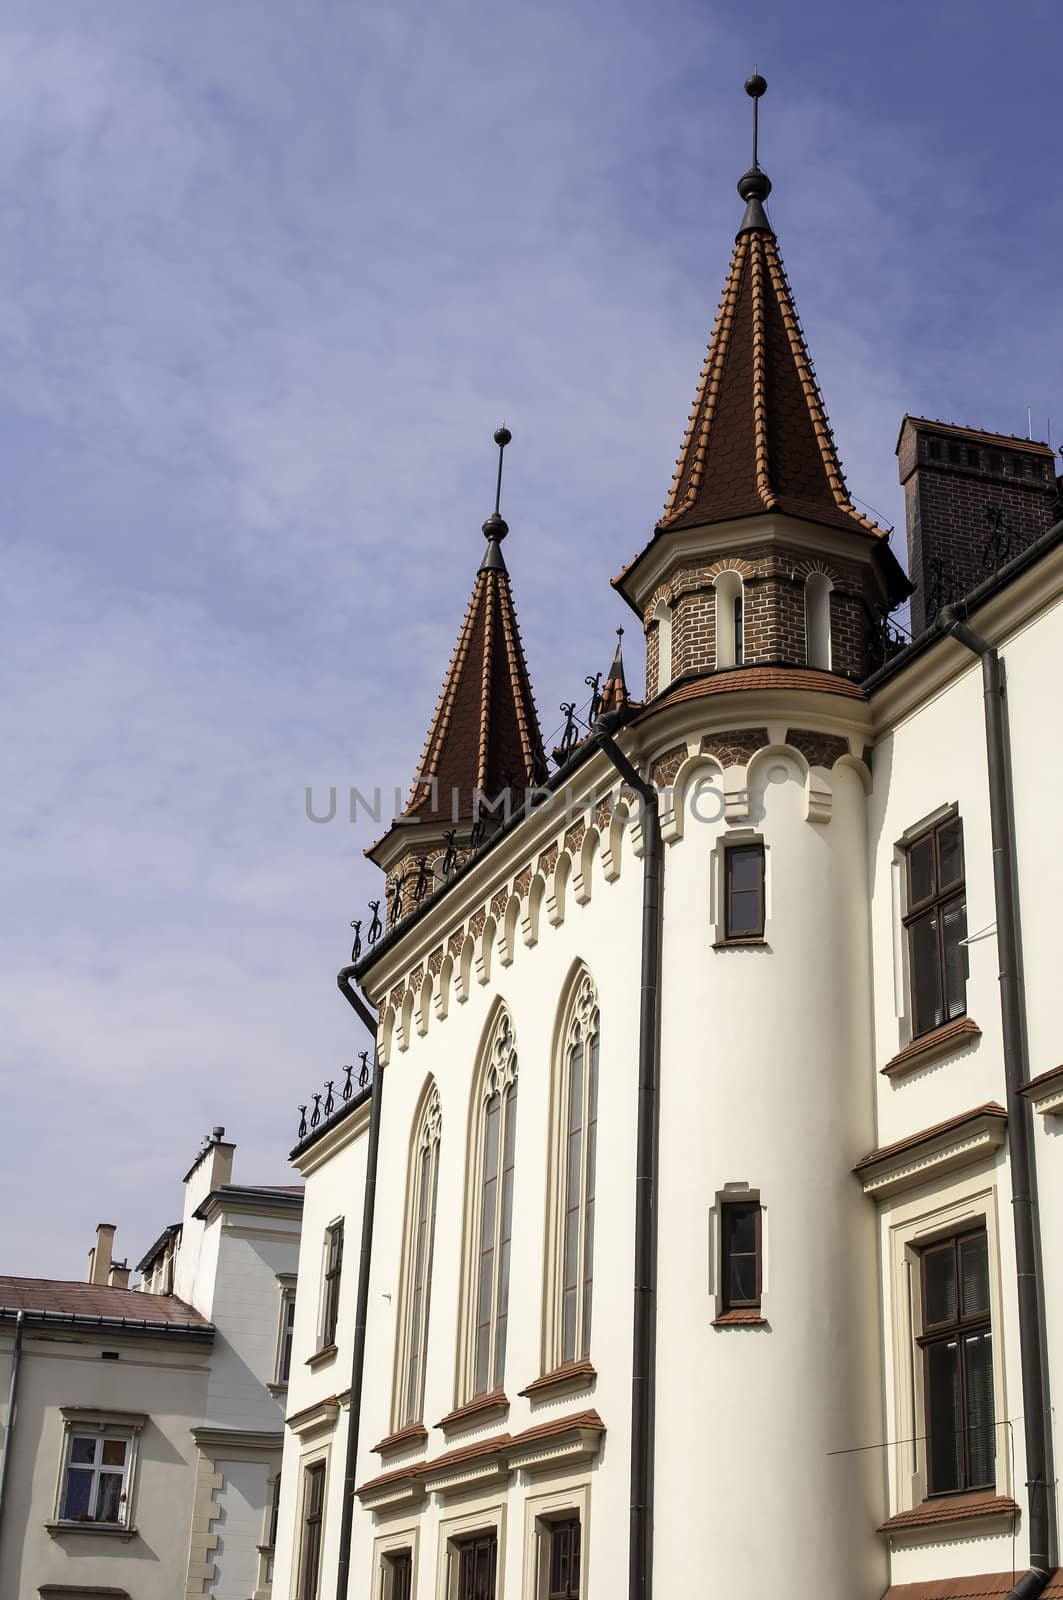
x=758, y=438
x=485, y=732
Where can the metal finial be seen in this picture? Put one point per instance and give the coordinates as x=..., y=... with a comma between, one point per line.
x=755, y=186
x=496, y=527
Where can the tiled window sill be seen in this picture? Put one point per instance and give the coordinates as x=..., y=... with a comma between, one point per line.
x=740, y=1319
x=413, y=1437
x=485, y=1408
x=951, y=1036
x=950, y=1509
x=98, y=1530
x=758, y=943
x=321, y=1357
x=566, y=1379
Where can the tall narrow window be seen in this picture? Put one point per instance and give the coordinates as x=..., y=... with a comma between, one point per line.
x=936, y=925
x=957, y=1350
x=578, y=1107
x=420, y=1242
x=744, y=891
x=478, y=1567
x=662, y=616
x=287, y=1333
x=730, y=620
x=564, y=1572
x=310, y=1538
x=740, y=1272
x=491, y=1223
x=398, y=1575
x=330, y=1299
x=817, y=620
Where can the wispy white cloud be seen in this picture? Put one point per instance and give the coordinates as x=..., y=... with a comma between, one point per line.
x=270, y=277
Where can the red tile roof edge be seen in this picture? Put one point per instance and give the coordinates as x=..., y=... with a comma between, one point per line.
x=913, y=1140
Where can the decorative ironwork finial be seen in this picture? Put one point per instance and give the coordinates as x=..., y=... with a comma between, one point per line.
x=755, y=186
x=496, y=527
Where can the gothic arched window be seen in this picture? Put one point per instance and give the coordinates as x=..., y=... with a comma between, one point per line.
x=730, y=619
x=416, y=1293
x=489, y=1226
x=817, y=620
x=574, y=1177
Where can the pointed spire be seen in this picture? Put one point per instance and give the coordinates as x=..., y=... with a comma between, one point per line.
x=758, y=438
x=496, y=527
x=755, y=186
x=485, y=732
x=614, y=695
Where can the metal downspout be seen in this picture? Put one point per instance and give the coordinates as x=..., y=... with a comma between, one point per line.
x=1020, y=1112
x=644, y=1335
x=354, y=1410
x=12, y=1401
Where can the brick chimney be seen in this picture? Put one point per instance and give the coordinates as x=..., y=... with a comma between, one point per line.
x=118, y=1275
x=100, y=1254
x=973, y=501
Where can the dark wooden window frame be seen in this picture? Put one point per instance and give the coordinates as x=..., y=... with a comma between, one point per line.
x=938, y=1333
x=565, y=1558
x=464, y=1556
x=310, y=1536
x=729, y=1204
x=917, y=911
x=398, y=1574
x=330, y=1309
x=754, y=847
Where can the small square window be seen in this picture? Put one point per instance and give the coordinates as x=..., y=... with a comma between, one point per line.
x=744, y=891
x=933, y=449
x=974, y=456
x=954, y=452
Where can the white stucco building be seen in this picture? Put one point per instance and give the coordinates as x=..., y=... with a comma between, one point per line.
x=699, y=1254
x=142, y=1430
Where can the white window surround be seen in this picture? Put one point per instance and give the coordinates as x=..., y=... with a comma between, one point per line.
x=579, y=1016
x=415, y=1292
x=391, y=1543
x=540, y=1510
x=735, y=1192
x=718, y=883
x=818, y=590
x=911, y=1223
x=97, y=1426
x=286, y=1282
x=662, y=616
x=308, y=1459
x=496, y=1074
x=729, y=590
x=486, y=1517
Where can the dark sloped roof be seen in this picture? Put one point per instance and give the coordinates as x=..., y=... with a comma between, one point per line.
x=62, y=1297
x=758, y=438
x=485, y=731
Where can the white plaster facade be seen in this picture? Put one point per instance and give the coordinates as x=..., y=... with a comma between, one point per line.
x=202, y=1398
x=786, y=1443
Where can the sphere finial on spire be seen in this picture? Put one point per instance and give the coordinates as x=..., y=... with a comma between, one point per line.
x=755, y=186
x=496, y=527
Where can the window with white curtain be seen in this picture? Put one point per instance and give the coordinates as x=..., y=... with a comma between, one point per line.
x=489, y=1227
x=575, y=1141
x=416, y=1293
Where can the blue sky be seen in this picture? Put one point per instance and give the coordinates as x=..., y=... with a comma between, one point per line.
x=270, y=276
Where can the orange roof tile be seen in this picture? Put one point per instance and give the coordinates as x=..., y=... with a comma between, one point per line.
x=758, y=438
